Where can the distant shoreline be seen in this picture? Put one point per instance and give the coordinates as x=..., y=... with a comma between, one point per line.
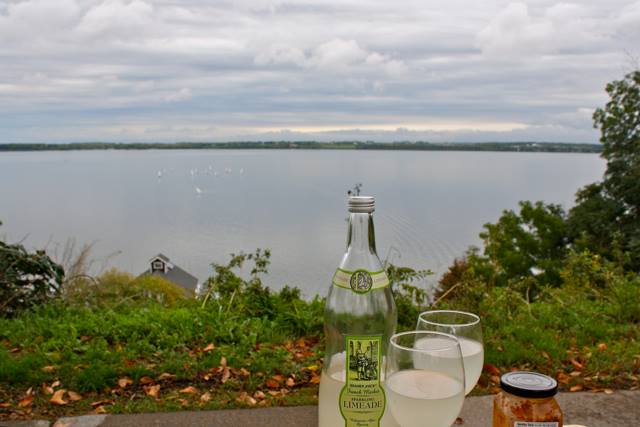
x=527, y=147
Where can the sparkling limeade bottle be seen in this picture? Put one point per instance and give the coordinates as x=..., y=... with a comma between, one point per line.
x=360, y=316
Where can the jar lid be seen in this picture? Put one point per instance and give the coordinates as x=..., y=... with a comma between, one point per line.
x=529, y=384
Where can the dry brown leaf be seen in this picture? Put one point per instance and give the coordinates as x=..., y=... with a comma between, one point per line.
x=5, y=405
x=209, y=348
x=577, y=387
x=250, y=400
x=241, y=397
x=290, y=382
x=608, y=391
x=27, y=401
x=74, y=397
x=58, y=397
x=189, y=390
x=315, y=379
x=602, y=346
x=563, y=378
x=273, y=392
x=15, y=350
x=495, y=379
x=488, y=367
x=226, y=374
x=47, y=389
x=166, y=377
x=102, y=402
x=262, y=403
x=100, y=410
x=205, y=397
x=244, y=372
x=577, y=365
x=575, y=373
x=152, y=390
x=48, y=369
x=259, y=395
x=271, y=383
x=223, y=361
x=124, y=382
x=55, y=384
x=546, y=355
x=146, y=381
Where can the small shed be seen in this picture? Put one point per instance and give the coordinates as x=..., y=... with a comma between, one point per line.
x=161, y=265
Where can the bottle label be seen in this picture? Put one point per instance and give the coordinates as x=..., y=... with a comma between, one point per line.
x=535, y=424
x=362, y=399
x=360, y=281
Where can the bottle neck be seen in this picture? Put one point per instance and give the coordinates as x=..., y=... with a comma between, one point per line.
x=361, y=237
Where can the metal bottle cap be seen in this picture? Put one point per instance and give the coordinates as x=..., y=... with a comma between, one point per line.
x=361, y=204
x=528, y=384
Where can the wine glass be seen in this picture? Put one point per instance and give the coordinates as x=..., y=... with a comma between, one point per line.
x=424, y=379
x=465, y=326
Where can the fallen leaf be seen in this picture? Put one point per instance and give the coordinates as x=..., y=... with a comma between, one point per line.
x=577, y=387
x=124, y=382
x=312, y=368
x=58, y=397
x=608, y=391
x=209, y=348
x=100, y=410
x=315, y=379
x=226, y=374
x=15, y=350
x=546, y=355
x=5, y=405
x=189, y=390
x=271, y=383
x=152, y=390
x=47, y=389
x=102, y=402
x=563, y=378
x=259, y=395
x=205, y=397
x=146, y=381
x=48, y=369
x=27, y=401
x=55, y=384
x=183, y=402
x=244, y=372
x=74, y=397
x=577, y=365
x=250, y=400
x=575, y=373
x=223, y=361
x=166, y=377
x=290, y=382
x=458, y=421
x=488, y=367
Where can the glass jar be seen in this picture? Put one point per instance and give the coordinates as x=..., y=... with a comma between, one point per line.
x=526, y=400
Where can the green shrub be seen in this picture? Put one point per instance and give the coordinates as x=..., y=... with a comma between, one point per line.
x=27, y=279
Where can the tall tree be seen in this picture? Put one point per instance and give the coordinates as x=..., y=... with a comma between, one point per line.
x=610, y=211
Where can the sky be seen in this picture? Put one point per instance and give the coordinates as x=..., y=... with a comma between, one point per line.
x=203, y=70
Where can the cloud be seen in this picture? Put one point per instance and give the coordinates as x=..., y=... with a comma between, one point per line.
x=110, y=69
x=183, y=94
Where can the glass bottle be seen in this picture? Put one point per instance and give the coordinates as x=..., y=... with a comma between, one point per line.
x=360, y=317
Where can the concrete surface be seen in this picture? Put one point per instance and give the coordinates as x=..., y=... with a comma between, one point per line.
x=620, y=409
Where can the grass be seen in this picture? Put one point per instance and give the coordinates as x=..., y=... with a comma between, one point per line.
x=251, y=347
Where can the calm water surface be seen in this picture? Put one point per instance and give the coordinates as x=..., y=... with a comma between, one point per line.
x=198, y=206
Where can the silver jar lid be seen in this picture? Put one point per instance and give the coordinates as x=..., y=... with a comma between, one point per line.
x=361, y=204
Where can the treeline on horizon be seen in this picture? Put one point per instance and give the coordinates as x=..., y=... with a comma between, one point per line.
x=555, y=147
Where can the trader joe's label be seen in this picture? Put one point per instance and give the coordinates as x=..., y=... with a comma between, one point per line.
x=362, y=400
x=360, y=281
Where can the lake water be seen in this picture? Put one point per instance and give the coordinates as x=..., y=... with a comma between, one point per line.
x=430, y=206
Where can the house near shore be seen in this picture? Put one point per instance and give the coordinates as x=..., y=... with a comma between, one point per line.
x=161, y=266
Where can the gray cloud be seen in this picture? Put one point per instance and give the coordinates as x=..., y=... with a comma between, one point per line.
x=143, y=70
